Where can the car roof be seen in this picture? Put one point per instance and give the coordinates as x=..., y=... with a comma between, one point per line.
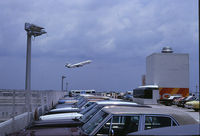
x=181, y=117
x=174, y=130
x=116, y=102
x=121, y=103
x=96, y=97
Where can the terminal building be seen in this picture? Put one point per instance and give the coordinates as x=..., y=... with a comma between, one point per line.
x=169, y=72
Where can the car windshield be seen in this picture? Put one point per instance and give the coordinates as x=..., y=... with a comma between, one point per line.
x=188, y=98
x=82, y=103
x=88, y=104
x=90, y=114
x=191, y=98
x=82, y=100
x=94, y=122
x=84, y=111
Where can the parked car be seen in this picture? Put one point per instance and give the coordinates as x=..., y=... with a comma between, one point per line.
x=75, y=108
x=68, y=112
x=168, y=101
x=182, y=102
x=124, y=120
x=184, y=130
x=128, y=97
x=120, y=120
x=61, y=116
x=83, y=101
x=193, y=105
x=83, y=116
x=74, y=100
x=176, y=101
x=69, y=100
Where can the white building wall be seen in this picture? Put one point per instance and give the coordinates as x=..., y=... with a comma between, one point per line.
x=170, y=70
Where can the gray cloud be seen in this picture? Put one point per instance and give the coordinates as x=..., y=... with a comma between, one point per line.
x=116, y=35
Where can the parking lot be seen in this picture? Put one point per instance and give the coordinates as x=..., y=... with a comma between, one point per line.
x=95, y=115
x=191, y=112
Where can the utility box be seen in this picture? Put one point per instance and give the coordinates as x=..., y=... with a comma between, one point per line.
x=169, y=71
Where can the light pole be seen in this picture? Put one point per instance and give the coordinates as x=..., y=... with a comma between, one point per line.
x=62, y=82
x=32, y=30
x=67, y=86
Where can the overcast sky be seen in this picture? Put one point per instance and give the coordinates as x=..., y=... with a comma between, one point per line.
x=117, y=35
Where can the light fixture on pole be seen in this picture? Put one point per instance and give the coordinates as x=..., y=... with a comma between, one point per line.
x=32, y=30
x=62, y=82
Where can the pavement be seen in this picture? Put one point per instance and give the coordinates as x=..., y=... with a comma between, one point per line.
x=191, y=112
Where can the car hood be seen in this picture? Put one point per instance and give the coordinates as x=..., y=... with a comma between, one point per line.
x=73, y=115
x=74, y=131
x=67, y=101
x=57, y=123
x=65, y=109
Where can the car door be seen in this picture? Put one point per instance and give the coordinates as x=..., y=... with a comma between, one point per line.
x=120, y=125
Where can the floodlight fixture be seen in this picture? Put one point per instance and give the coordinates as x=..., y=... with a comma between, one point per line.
x=34, y=29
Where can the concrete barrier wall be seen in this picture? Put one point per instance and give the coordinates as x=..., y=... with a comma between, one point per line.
x=13, y=107
x=14, y=125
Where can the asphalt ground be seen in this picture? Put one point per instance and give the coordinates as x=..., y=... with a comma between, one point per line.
x=191, y=112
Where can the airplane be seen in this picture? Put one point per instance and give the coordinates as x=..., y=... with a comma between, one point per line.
x=80, y=64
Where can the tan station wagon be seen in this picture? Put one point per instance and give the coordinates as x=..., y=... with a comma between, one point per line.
x=123, y=120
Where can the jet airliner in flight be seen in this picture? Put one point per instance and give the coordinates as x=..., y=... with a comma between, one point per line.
x=80, y=64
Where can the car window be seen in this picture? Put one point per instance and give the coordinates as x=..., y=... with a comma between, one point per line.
x=90, y=113
x=122, y=125
x=88, y=104
x=94, y=122
x=104, y=131
x=84, y=111
x=192, y=98
x=82, y=103
x=157, y=122
x=125, y=124
x=80, y=100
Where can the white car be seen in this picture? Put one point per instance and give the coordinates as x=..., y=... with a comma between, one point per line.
x=87, y=112
x=61, y=116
